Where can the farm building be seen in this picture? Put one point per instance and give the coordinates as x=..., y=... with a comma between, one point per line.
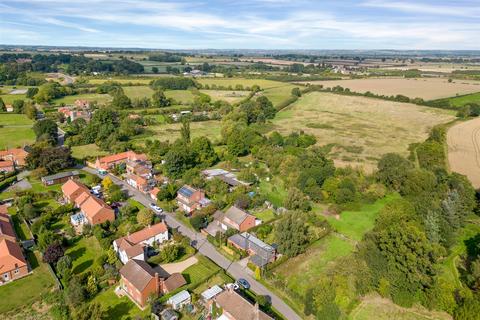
x=59, y=177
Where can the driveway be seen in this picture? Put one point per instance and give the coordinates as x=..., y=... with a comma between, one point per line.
x=178, y=267
x=235, y=269
x=21, y=185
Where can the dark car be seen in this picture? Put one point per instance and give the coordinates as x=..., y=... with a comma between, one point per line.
x=243, y=283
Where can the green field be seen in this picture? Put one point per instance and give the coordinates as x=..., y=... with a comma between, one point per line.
x=463, y=100
x=88, y=150
x=99, y=98
x=83, y=253
x=264, y=84
x=274, y=191
x=354, y=224
x=121, y=80
x=200, y=271
x=135, y=92
x=15, y=130
x=25, y=291
x=182, y=96
x=118, y=308
x=226, y=95
x=265, y=215
x=279, y=93
x=171, y=131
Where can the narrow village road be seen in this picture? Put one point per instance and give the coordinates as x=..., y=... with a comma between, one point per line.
x=207, y=249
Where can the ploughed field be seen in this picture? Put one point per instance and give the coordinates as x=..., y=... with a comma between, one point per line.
x=425, y=88
x=360, y=130
x=464, y=150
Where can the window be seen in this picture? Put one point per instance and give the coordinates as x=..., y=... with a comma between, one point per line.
x=16, y=271
x=5, y=276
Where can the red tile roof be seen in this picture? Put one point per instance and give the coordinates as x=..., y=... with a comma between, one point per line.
x=6, y=164
x=11, y=256
x=128, y=155
x=143, y=234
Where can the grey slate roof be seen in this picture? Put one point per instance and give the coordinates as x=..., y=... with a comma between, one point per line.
x=236, y=214
x=60, y=175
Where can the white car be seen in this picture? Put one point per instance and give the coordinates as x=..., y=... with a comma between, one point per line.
x=156, y=208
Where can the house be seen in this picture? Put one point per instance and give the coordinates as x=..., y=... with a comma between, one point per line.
x=108, y=162
x=71, y=114
x=154, y=193
x=137, y=182
x=260, y=253
x=139, y=168
x=132, y=246
x=59, y=177
x=12, y=262
x=92, y=210
x=82, y=104
x=168, y=314
x=190, y=199
x=236, y=218
x=235, y=307
x=180, y=300
x=7, y=166
x=17, y=155
x=9, y=108
x=6, y=227
x=140, y=281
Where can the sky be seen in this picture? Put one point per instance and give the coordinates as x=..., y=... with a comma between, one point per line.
x=243, y=24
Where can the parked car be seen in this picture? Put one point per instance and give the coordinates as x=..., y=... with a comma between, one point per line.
x=156, y=208
x=243, y=283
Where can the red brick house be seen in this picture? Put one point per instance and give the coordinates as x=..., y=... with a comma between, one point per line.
x=236, y=218
x=108, y=162
x=6, y=226
x=190, y=199
x=137, y=182
x=140, y=281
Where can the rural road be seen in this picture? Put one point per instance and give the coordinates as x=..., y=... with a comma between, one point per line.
x=463, y=142
x=207, y=249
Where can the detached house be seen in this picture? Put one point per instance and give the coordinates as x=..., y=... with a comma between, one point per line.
x=17, y=155
x=137, y=182
x=190, y=199
x=260, y=253
x=236, y=218
x=140, y=281
x=234, y=307
x=133, y=245
x=92, y=210
x=108, y=162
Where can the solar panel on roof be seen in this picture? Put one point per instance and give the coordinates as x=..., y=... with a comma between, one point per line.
x=186, y=191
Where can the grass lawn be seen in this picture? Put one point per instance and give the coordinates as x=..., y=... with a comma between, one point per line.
x=354, y=224
x=298, y=272
x=19, y=225
x=134, y=92
x=84, y=252
x=273, y=190
x=265, y=215
x=15, y=130
x=9, y=98
x=200, y=271
x=119, y=308
x=25, y=291
x=463, y=100
x=374, y=307
x=182, y=96
x=88, y=150
x=100, y=98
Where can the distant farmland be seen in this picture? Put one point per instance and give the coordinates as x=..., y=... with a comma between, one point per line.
x=428, y=89
x=360, y=129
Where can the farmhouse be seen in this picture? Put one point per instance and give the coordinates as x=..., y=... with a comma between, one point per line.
x=235, y=307
x=92, y=210
x=108, y=162
x=260, y=253
x=16, y=155
x=133, y=245
x=7, y=166
x=140, y=281
x=59, y=177
x=190, y=199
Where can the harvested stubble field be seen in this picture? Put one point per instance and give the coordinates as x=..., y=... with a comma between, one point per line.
x=425, y=88
x=360, y=129
x=263, y=83
x=464, y=150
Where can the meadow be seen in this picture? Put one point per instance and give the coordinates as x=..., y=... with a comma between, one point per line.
x=87, y=150
x=465, y=99
x=264, y=84
x=359, y=130
x=226, y=95
x=99, y=98
x=425, y=88
x=15, y=130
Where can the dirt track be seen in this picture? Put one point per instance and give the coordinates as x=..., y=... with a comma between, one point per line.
x=464, y=150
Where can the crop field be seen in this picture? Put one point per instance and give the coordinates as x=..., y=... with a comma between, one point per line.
x=264, y=84
x=226, y=95
x=120, y=80
x=100, y=98
x=375, y=307
x=360, y=130
x=182, y=96
x=427, y=89
x=464, y=150
x=15, y=130
x=171, y=131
